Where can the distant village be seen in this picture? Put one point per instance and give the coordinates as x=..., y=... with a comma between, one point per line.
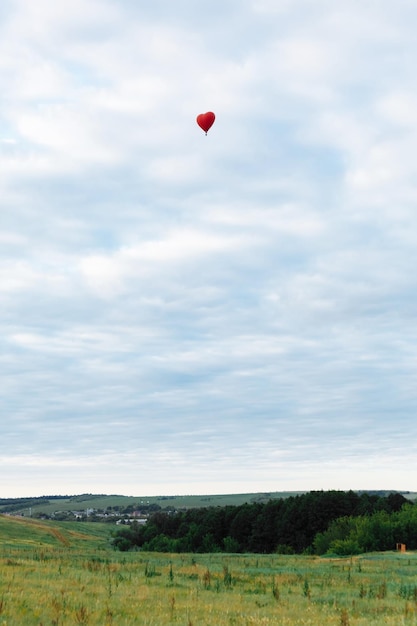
x=112, y=514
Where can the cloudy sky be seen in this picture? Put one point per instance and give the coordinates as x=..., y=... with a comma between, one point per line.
x=183, y=313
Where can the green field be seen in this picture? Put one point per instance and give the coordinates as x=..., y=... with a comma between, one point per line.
x=65, y=574
x=82, y=502
x=92, y=501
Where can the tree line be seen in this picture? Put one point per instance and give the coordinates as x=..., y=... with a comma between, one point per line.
x=314, y=522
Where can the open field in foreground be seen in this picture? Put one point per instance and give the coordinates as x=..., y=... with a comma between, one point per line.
x=67, y=574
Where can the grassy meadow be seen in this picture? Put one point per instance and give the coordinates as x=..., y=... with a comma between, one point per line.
x=96, y=501
x=67, y=574
x=91, y=501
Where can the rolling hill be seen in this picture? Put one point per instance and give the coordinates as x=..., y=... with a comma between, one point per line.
x=50, y=505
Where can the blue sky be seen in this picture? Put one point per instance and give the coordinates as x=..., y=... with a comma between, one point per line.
x=190, y=314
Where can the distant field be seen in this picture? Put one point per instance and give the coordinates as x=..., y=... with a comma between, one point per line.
x=67, y=574
x=91, y=501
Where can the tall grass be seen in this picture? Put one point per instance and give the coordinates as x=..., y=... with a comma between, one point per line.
x=82, y=581
x=67, y=587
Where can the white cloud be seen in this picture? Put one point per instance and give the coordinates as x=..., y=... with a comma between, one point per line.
x=112, y=274
x=242, y=302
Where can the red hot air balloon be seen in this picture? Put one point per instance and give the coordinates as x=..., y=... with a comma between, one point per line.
x=206, y=120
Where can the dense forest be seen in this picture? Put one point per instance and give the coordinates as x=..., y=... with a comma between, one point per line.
x=316, y=522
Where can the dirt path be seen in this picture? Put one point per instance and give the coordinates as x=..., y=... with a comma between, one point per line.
x=52, y=531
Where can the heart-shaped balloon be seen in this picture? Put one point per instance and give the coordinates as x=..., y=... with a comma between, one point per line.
x=206, y=120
